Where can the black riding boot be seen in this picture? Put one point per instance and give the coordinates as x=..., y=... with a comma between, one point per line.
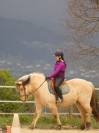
x=59, y=94
x=58, y=82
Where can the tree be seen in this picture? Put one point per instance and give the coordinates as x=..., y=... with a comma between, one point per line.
x=96, y=2
x=84, y=25
x=6, y=78
x=84, y=18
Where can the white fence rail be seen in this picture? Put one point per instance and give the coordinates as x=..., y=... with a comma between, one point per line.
x=7, y=101
x=2, y=86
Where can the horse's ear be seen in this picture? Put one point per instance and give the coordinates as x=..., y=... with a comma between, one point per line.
x=18, y=82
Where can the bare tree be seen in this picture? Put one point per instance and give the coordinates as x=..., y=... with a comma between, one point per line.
x=84, y=20
x=95, y=1
x=85, y=16
x=84, y=24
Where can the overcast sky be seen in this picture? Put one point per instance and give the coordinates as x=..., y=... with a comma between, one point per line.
x=43, y=12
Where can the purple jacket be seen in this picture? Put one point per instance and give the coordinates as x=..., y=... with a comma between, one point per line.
x=59, y=70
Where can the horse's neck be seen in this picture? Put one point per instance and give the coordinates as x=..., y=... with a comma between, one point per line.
x=39, y=87
x=42, y=94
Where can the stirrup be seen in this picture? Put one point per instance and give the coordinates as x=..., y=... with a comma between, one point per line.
x=59, y=100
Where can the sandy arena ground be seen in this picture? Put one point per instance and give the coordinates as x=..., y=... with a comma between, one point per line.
x=16, y=128
x=25, y=130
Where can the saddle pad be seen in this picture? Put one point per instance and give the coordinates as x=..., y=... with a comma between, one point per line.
x=64, y=87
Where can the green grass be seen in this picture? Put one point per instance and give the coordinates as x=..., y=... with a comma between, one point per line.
x=95, y=124
x=71, y=120
x=49, y=121
x=46, y=121
x=5, y=120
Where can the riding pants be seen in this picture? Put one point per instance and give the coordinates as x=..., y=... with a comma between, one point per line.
x=58, y=91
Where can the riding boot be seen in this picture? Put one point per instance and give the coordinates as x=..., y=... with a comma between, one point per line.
x=59, y=93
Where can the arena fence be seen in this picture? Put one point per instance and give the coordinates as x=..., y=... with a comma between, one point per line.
x=70, y=111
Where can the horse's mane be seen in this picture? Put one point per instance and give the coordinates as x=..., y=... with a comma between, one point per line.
x=26, y=78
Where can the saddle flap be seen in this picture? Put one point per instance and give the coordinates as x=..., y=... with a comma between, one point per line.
x=64, y=87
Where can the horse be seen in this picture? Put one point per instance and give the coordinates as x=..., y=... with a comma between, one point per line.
x=82, y=94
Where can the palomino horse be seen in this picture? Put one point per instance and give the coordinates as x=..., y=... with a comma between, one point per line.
x=82, y=94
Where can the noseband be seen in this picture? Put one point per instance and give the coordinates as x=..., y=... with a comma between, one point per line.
x=25, y=95
x=24, y=88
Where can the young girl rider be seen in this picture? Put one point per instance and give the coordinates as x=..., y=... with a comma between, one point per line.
x=58, y=75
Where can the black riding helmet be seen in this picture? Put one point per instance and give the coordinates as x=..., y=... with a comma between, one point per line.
x=59, y=53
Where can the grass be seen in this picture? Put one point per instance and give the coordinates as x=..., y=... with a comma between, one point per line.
x=49, y=122
x=5, y=120
x=46, y=121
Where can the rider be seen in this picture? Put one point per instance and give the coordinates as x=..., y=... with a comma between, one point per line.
x=58, y=74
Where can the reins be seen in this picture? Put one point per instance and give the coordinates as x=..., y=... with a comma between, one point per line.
x=39, y=86
x=24, y=93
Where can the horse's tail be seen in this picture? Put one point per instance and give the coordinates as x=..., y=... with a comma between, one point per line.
x=95, y=105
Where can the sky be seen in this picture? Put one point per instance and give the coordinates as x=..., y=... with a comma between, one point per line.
x=43, y=12
x=45, y=15
x=49, y=14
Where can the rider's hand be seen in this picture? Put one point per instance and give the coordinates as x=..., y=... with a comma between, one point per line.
x=46, y=78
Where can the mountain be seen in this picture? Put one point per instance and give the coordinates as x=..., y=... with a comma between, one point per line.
x=16, y=34
x=24, y=44
x=26, y=47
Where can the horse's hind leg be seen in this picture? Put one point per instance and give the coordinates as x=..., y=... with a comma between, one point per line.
x=81, y=110
x=87, y=114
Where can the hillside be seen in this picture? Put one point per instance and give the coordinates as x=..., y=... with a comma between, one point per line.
x=25, y=44
x=26, y=47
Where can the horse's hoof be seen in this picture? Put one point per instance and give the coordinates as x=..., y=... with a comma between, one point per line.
x=59, y=126
x=82, y=127
x=31, y=127
x=88, y=125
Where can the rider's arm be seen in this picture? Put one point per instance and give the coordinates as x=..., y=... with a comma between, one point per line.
x=56, y=71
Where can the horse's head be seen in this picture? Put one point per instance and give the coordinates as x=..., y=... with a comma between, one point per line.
x=30, y=84
x=21, y=87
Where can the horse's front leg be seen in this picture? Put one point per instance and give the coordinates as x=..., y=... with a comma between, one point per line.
x=37, y=116
x=54, y=111
x=58, y=120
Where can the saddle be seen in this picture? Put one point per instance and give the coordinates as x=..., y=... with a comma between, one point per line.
x=64, y=87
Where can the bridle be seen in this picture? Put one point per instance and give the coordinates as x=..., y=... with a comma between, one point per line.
x=25, y=95
x=24, y=88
